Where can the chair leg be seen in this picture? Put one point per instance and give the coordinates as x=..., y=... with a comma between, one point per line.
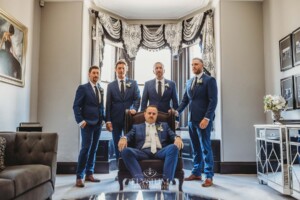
x=126, y=181
x=180, y=184
x=121, y=183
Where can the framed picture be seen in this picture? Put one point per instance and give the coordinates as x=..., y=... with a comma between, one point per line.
x=287, y=91
x=296, y=46
x=285, y=51
x=297, y=90
x=13, y=39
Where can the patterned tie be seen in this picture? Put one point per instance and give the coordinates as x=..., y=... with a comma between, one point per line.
x=97, y=93
x=122, y=88
x=159, y=89
x=152, y=132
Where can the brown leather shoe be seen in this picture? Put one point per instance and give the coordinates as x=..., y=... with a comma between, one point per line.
x=165, y=185
x=207, y=183
x=193, y=177
x=79, y=183
x=144, y=185
x=91, y=178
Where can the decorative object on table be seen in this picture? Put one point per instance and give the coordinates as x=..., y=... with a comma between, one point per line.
x=13, y=43
x=275, y=104
x=297, y=90
x=296, y=46
x=287, y=91
x=285, y=52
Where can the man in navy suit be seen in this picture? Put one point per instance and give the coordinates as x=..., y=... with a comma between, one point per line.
x=160, y=91
x=152, y=140
x=122, y=94
x=201, y=95
x=89, y=114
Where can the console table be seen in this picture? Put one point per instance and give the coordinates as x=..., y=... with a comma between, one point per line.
x=277, y=157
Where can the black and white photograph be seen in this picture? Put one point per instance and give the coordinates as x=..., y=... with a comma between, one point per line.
x=296, y=46
x=285, y=51
x=12, y=50
x=297, y=90
x=287, y=91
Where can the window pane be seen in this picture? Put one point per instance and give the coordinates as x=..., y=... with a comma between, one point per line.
x=107, y=73
x=144, y=64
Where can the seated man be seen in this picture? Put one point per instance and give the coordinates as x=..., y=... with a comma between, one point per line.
x=152, y=140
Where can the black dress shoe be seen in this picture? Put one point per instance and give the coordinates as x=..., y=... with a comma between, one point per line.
x=165, y=185
x=144, y=185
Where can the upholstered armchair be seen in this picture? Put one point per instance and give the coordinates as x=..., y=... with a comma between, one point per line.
x=152, y=169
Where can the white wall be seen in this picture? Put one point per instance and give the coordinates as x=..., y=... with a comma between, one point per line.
x=280, y=19
x=60, y=73
x=242, y=78
x=19, y=104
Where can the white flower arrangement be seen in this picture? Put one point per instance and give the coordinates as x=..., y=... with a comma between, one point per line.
x=159, y=127
x=274, y=103
x=199, y=81
x=128, y=85
x=167, y=85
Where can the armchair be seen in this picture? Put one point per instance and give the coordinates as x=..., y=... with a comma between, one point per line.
x=152, y=168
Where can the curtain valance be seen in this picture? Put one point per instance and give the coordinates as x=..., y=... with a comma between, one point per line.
x=150, y=37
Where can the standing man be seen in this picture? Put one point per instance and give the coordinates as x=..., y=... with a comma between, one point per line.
x=153, y=140
x=122, y=94
x=89, y=114
x=160, y=91
x=201, y=95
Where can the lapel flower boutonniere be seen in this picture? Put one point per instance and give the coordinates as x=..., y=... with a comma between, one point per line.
x=101, y=90
x=199, y=81
x=128, y=85
x=167, y=85
x=159, y=127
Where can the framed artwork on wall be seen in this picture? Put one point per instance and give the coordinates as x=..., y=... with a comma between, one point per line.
x=296, y=46
x=13, y=39
x=285, y=53
x=287, y=91
x=297, y=90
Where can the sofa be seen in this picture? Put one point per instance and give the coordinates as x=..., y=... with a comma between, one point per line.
x=30, y=165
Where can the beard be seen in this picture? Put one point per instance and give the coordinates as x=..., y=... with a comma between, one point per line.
x=197, y=71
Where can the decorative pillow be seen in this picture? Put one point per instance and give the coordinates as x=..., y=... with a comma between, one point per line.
x=2, y=148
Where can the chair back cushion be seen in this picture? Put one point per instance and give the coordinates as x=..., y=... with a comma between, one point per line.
x=139, y=118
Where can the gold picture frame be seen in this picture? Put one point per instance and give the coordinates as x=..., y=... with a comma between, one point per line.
x=13, y=44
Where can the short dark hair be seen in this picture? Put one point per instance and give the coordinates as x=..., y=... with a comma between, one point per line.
x=121, y=61
x=11, y=29
x=93, y=67
x=196, y=58
x=152, y=106
x=159, y=63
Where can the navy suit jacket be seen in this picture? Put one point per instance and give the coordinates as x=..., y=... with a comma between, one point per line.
x=116, y=104
x=163, y=103
x=137, y=135
x=202, y=100
x=86, y=106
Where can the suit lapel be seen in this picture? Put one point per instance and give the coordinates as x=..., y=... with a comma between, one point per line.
x=91, y=89
x=144, y=131
x=166, y=88
x=127, y=81
x=155, y=91
x=117, y=89
x=158, y=131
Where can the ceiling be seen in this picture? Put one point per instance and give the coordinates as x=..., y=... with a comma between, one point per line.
x=151, y=9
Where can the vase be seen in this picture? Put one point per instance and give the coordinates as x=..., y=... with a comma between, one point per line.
x=276, y=115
